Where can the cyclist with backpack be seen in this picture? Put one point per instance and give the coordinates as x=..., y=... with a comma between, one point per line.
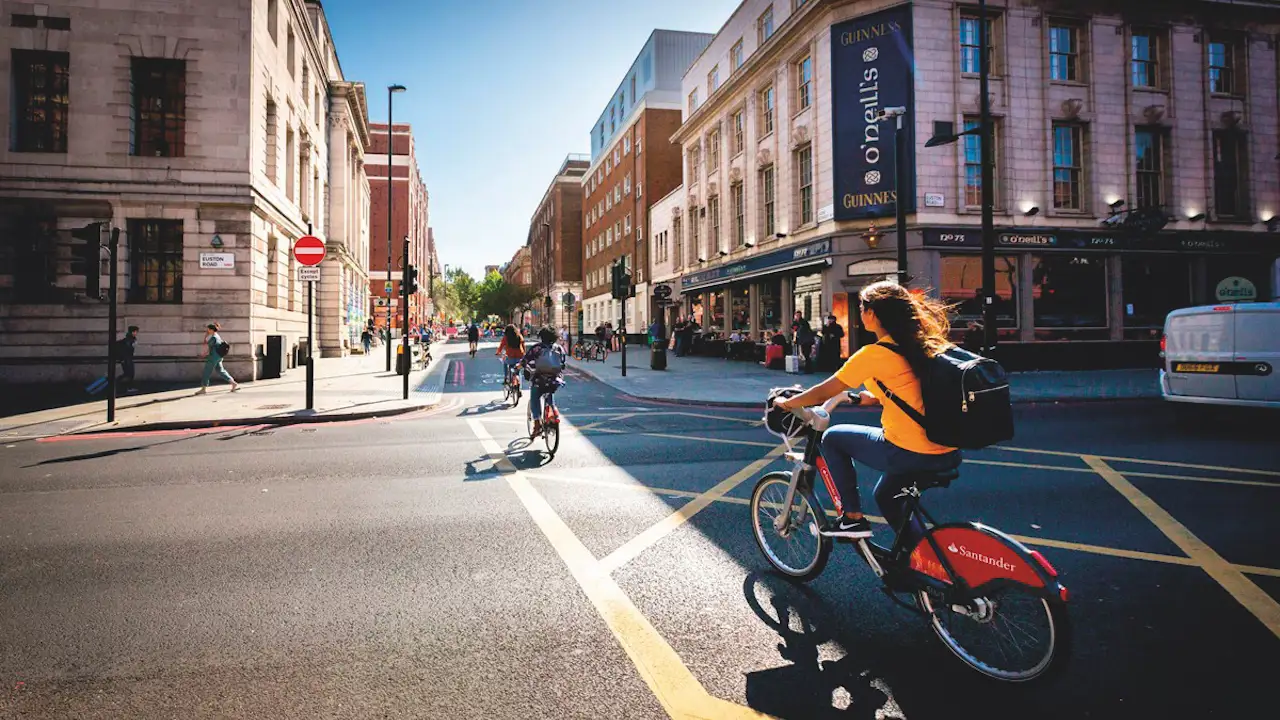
x=215, y=348
x=545, y=361
x=967, y=398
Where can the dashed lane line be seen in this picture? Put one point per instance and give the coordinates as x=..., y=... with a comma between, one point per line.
x=638, y=544
x=671, y=681
x=1254, y=598
x=1141, y=461
x=1028, y=539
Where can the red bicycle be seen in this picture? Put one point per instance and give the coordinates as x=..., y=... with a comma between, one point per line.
x=997, y=605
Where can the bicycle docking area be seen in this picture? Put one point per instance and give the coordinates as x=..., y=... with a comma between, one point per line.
x=651, y=512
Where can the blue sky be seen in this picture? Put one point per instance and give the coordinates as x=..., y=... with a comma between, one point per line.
x=499, y=91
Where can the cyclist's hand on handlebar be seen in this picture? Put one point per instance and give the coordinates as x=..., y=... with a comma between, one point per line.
x=863, y=398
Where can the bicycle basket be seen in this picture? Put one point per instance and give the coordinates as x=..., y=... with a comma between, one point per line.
x=778, y=421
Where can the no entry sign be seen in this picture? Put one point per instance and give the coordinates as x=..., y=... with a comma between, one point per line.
x=309, y=250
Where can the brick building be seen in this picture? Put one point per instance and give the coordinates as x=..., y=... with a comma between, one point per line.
x=633, y=163
x=1135, y=163
x=519, y=271
x=555, y=242
x=212, y=138
x=409, y=207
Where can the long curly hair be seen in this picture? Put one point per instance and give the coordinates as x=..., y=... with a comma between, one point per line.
x=513, y=339
x=915, y=322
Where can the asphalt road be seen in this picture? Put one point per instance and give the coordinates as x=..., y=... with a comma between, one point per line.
x=437, y=565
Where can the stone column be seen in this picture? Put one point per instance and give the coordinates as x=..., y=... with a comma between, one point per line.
x=788, y=305
x=753, y=310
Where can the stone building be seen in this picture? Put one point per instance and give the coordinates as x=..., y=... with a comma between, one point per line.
x=555, y=243
x=633, y=163
x=518, y=271
x=1135, y=164
x=410, y=208
x=211, y=137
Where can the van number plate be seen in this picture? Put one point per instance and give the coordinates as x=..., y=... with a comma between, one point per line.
x=1257, y=369
x=1197, y=367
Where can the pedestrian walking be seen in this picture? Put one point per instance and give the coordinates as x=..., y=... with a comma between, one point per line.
x=214, y=350
x=366, y=340
x=125, y=350
x=829, y=350
x=803, y=336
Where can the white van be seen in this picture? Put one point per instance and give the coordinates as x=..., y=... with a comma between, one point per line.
x=1222, y=355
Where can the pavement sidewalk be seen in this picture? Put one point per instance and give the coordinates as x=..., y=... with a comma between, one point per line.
x=717, y=381
x=346, y=388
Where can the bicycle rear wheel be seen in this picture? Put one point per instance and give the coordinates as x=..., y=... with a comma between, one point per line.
x=797, y=550
x=528, y=420
x=1014, y=633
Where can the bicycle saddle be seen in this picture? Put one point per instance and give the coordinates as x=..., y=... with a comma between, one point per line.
x=926, y=480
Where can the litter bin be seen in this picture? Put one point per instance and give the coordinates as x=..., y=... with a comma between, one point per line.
x=658, y=354
x=273, y=360
x=402, y=360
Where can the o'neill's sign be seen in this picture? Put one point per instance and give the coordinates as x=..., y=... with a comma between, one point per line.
x=871, y=69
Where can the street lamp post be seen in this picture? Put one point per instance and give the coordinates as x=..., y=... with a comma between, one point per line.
x=391, y=91
x=983, y=131
x=900, y=185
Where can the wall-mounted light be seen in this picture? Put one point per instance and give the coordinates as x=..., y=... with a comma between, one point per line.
x=1272, y=223
x=1033, y=210
x=723, y=253
x=780, y=235
x=1196, y=217
x=749, y=242
x=871, y=237
x=701, y=259
x=1116, y=204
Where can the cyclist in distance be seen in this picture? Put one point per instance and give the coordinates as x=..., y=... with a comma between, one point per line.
x=473, y=337
x=918, y=326
x=511, y=350
x=546, y=363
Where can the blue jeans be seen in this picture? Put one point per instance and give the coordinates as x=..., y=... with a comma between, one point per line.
x=211, y=364
x=842, y=444
x=535, y=400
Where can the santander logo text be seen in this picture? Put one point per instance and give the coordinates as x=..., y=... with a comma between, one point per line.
x=985, y=559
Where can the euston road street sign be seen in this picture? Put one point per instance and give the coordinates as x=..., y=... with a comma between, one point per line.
x=309, y=250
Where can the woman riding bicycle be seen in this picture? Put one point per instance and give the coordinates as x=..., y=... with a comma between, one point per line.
x=546, y=361
x=511, y=350
x=918, y=327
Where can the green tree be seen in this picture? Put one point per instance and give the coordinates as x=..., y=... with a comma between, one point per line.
x=497, y=297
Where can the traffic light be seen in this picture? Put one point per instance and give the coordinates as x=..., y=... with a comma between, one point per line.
x=621, y=281
x=86, y=258
x=411, y=280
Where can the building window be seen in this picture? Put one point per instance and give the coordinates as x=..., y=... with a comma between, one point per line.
x=735, y=55
x=804, y=82
x=766, y=111
x=695, y=242
x=971, y=43
x=273, y=18
x=292, y=47
x=693, y=101
x=626, y=144
x=804, y=161
x=1153, y=286
x=617, y=194
x=713, y=150
x=739, y=131
x=155, y=257
x=626, y=225
x=1064, y=52
x=1067, y=166
x=677, y=236
x=695, y=163
x=40, y=101
x=1149, y=147
x=159, y=107
x=767, y=201
x=1145, y=58
x=764, y=26
x=639, y=189
x=1229, y=176
x=626, y=184
x=713, y=80
x=289, y=159
x=1222, y=67
x=713, y=222
x=1069, y=294
x=639, y=143
x=973, y=163
x=962, y=289
x=739, y=214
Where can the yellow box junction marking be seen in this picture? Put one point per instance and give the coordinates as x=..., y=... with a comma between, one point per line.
x=672, y=683
x=1255, y=600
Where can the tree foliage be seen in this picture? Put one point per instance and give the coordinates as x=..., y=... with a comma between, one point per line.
x=461, y=297
x=497, y=297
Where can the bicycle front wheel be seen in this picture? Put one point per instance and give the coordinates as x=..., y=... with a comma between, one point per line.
x=551, y=436
x=528, y=420
x=797, y=549
x=1014, y=633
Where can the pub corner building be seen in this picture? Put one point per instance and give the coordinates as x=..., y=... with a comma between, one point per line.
x=1137, y=168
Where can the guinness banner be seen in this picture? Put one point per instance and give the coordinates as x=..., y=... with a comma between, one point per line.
x=872, y=68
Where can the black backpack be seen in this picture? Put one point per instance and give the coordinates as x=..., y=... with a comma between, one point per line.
x=966, y=399
x=224, y=348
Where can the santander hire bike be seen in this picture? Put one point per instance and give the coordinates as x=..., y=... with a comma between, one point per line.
x=997, y=605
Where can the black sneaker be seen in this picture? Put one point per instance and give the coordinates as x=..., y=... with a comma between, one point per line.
x=847, y=528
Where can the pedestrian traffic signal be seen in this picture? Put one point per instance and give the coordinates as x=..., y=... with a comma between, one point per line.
x=411, y=280
x=621, y=281
x=86, y=258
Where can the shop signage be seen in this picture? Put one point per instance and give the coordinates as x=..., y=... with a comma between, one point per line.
x=1076, y=240
x=777, y=260
x=1236, y=289
x=876, y=266
x=217, y=261
x=935, y=200
x=662, y=291
x=872, y=68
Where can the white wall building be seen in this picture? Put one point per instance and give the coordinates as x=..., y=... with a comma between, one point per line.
x=211, y=137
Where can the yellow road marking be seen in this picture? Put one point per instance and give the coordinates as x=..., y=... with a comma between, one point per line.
x=638, y=544
x=717, y=417
x=614, y=418
x=1255, y=600
x=751, y=443
x=1141, y=461
x=671, y=681
x=1028, y=539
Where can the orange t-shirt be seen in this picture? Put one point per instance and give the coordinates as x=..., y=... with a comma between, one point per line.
x=876, y=362
x=510, y=353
